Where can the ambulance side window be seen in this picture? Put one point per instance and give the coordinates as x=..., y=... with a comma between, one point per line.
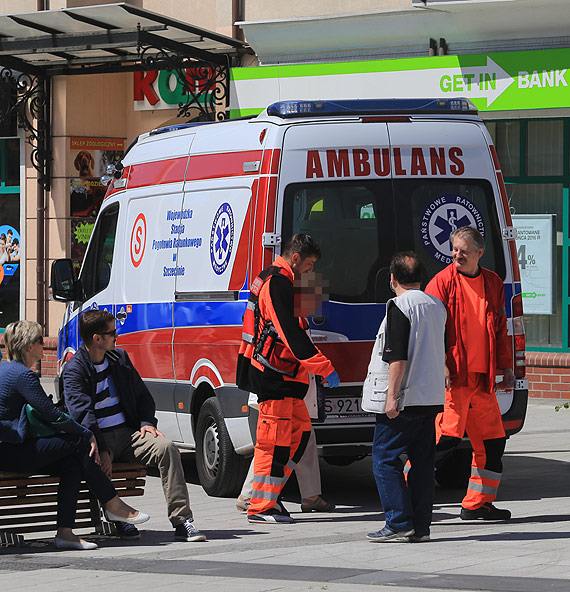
x=96, y=271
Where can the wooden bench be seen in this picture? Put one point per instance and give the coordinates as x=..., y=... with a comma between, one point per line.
x=28, y=502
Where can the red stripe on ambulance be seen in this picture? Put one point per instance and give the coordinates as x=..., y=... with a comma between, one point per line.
x=158, y=173
x=507, y=211
x=239, y=270
x=223, y=164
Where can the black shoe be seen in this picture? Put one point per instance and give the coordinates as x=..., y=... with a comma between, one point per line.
x=127, y=532
x=188, y=532
x=485, y=512
x=281, y=508
x=272, y=516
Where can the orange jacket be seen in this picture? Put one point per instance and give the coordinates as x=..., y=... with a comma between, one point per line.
x=275, y=301
x=446, y=286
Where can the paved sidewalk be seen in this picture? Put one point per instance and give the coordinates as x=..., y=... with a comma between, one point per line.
x=329, y=552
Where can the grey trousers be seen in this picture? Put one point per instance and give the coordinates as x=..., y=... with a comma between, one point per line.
x=127, y=445
x=307, y=471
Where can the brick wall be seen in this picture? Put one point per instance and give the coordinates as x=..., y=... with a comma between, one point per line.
x=548, y=375
x=49, y=361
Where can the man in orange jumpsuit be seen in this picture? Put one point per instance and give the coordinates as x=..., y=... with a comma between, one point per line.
x=478, y=350
x=275, y=358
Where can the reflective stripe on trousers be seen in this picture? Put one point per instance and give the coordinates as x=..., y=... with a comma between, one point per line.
x=474, y=410
x=283, y=430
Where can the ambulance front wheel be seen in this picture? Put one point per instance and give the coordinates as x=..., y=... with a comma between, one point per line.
x=220, y=469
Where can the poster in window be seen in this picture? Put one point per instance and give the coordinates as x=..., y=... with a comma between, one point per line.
x=89, y=159
x=10, y=254
x=536, y=254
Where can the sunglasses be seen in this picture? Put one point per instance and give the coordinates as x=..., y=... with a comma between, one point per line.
x=113, y=333
x=40, y=339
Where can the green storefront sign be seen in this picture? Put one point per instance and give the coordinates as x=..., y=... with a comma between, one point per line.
x=494, y=82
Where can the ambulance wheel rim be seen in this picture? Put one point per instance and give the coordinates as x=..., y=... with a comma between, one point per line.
x=211, y=449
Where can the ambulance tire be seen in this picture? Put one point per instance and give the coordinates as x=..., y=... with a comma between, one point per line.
x=454, y=473
x=220, y=469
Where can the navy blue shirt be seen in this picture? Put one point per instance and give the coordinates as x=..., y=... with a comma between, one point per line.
x=18, y=386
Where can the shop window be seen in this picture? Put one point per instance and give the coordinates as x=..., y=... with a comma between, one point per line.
x=10, y=238
x=545, y=147
x=506, y=138
x=543, y=329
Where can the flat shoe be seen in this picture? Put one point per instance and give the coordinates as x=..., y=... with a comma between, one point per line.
x=318, y=505
x=74, y=546
x=242, y=503
x=138, y=519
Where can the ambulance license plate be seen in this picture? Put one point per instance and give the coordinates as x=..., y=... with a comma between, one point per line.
x=343, y=406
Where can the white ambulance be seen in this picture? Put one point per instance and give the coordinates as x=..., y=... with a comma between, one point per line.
x=198, y=210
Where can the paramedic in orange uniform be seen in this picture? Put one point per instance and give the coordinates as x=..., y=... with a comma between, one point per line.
x=275, y=358
x=479, y=349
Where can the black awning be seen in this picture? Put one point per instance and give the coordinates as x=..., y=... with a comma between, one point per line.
x=106, y=38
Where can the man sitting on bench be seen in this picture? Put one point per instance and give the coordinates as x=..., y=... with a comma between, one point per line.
x=104, y=392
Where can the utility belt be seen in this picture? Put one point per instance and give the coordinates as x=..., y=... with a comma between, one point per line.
x=270, y=351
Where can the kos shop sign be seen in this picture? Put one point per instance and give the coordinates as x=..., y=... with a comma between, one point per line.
x=163, y=90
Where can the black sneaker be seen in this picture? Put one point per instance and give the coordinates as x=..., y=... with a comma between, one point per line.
x=188, y=532
x=271, y=516
x=281, y=509
x=485, y=512
x=127, y=532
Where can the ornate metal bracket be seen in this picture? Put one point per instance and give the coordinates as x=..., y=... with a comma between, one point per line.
x=27, y=96
x=204, y=84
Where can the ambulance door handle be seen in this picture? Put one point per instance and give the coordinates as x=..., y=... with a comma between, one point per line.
x=121, y=316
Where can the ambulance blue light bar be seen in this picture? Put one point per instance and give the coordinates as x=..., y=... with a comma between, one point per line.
x=287, y=109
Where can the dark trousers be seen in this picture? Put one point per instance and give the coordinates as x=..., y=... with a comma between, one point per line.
x=66, y=456
x=406, y=505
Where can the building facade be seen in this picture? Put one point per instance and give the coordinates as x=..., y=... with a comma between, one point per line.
x=511, y=58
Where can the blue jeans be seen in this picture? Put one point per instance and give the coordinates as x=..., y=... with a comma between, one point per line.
x=405, y=506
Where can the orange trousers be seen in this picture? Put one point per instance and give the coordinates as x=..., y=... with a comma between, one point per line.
x=474, y=410
x=283, y=430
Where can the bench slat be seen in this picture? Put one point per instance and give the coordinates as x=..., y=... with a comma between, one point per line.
x=14, y=510
x=28, y=502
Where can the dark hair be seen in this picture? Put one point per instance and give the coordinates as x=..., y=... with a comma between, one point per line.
x=407, y=268
x=93, y=321
x=302, y=244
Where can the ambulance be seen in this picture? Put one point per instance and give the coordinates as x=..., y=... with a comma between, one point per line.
x=195, y=211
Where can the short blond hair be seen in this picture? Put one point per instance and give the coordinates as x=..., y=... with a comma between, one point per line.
x=18, y=337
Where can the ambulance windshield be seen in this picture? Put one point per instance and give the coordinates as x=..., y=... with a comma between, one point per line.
x=361, y=224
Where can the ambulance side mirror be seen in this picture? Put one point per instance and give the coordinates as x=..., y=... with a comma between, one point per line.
x=63, y=286
x=382, y=292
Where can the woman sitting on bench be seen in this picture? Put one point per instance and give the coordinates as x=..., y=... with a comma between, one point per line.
x=71, y=453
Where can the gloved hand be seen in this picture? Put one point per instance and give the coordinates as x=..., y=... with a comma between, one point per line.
x=333, y=379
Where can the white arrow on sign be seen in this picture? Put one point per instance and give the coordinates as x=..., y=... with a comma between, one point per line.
x=488, y=81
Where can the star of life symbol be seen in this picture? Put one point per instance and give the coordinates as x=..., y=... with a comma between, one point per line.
x=222, y=238
x=441, y=217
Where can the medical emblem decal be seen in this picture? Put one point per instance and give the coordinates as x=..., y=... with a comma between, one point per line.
x=441, y=217
x=222, y=238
